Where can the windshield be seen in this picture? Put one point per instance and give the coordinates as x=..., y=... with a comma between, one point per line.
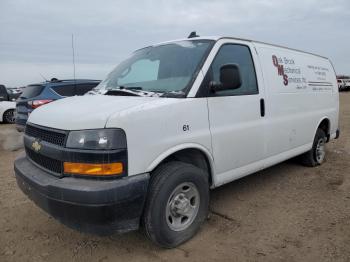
x=167, y=68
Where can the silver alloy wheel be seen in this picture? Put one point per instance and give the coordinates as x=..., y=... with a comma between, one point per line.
x=182, y=206
x=320, y=150
x=10, y=116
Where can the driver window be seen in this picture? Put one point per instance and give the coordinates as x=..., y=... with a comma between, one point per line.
x=141, y=71
x=240, y=55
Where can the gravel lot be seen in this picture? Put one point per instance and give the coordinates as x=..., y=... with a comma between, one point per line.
x=285, y=213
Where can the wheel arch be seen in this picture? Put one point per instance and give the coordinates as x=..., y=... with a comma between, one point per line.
x=195, y=154
x=325, y=125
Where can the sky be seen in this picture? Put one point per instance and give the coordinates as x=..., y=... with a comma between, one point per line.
x=35, y=35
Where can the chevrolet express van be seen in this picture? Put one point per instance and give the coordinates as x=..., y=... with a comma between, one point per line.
x=168, y=124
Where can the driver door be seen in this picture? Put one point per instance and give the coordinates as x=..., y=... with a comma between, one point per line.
x=236, y=117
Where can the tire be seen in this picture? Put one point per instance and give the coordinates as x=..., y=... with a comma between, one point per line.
x=316, y=155
x=9, y=116
x=163, y=224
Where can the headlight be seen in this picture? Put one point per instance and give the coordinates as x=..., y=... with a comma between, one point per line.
x=97, y=139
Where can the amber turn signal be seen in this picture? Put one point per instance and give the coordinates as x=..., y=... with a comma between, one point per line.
x=93, y=169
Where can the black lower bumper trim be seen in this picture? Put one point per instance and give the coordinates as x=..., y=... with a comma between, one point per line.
x=95, y=206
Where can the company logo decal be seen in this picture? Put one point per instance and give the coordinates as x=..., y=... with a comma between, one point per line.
x=36, y=146
x=280, y=69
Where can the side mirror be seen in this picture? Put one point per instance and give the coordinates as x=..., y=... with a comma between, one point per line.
x=230, y=78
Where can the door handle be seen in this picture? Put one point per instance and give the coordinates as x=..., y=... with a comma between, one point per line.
x=262, y=107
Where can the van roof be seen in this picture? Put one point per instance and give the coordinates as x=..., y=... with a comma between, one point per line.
x=216, y=38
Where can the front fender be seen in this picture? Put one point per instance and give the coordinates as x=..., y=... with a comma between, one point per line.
x=180, y=147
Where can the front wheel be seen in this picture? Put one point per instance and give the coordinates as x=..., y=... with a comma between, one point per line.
x=177, y=204
x=317, y=154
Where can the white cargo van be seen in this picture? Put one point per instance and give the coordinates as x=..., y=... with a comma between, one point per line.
x=171, y=122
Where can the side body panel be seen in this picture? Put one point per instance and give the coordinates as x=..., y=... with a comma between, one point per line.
x=301, y=91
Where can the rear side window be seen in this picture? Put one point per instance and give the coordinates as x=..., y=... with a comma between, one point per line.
x=32, y=91
x=64, y=90
x=84, y=88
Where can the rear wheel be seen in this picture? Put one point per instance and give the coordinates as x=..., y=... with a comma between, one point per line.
x=9, y=116
x=317, y=154
x=177, y=203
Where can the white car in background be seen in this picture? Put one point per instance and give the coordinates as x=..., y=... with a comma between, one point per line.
x=341, y=84
x=7, y=111
x=346, y=84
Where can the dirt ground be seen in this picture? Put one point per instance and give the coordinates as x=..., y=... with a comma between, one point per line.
x=285, y=213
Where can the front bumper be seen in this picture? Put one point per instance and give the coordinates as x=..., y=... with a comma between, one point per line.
x=89, y=205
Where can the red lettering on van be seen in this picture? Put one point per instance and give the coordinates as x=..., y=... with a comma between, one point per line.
x=285, y=80
x=280, y=70
x=275, y=60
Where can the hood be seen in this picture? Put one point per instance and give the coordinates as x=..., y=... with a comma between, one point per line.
x=84, y=112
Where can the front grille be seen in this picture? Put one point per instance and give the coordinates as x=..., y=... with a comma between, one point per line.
x=48, y=163
x=48, y=135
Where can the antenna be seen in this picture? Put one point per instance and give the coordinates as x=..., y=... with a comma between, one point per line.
x=73, y=53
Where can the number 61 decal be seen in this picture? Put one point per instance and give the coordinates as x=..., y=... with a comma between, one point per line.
x=186, y=128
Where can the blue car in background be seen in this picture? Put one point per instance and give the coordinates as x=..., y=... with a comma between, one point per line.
x=36, y=95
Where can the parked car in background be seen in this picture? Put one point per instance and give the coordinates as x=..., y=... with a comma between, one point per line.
x=346, y=84
x=7, y=111
x=36, y=95
x=4, y=96
x=9, y=93
x=341, y=84
x=14, y=93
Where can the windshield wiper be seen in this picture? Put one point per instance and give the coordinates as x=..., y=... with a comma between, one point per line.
x=170, y=94
x=131, y=91
x=130, y=87
x=138, y=91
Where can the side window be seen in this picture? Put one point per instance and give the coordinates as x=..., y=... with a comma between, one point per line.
x=84, y=88
x=64, y=90
x=240, y=55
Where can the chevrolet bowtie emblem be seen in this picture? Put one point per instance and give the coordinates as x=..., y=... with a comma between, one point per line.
x=36, y=146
